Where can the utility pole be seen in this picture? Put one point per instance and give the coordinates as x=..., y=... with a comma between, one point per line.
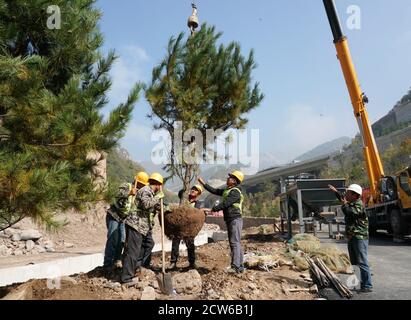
x=193, y=19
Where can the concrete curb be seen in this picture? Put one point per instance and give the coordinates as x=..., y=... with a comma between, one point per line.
x=69, y=266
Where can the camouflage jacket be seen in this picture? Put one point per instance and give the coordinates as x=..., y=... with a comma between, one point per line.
x=147, y=205
x=356, y=220
x=123, y=203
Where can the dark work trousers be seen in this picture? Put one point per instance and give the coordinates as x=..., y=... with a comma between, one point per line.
x=133, y=254
x=147, y=247
x=358, y=251
x=191, y=250
x=234, y=228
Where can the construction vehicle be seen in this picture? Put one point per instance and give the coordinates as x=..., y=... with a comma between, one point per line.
x=389, y=202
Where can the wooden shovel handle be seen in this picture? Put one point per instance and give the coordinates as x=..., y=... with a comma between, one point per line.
x=162, y=233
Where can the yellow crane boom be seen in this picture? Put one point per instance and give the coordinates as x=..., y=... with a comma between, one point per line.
x=358, y=99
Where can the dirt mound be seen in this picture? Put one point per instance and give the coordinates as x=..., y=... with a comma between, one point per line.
x=183, y=222
x=46, y=290
x=210, y=281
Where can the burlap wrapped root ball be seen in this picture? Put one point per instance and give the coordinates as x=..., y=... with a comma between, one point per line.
x=183, y=222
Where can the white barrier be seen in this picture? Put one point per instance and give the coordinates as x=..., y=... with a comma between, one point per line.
x=69, y=266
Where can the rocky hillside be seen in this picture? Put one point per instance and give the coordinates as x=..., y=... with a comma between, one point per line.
x=120, y=166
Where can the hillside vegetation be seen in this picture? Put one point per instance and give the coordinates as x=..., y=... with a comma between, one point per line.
x=351, y=166
x=121, y=168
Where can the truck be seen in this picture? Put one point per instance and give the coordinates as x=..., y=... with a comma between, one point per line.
x=388, y=201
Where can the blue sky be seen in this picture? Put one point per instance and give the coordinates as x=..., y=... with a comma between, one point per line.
x=306, y=99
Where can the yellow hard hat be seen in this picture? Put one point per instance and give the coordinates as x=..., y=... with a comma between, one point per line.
x=198, y=188
x=238, y=175
x=157, y=178
x=142, y=177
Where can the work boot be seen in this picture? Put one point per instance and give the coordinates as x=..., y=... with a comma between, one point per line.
x=137, y=272
x=130, y=283
x=118, y=264
x=172, y=266
x=231, y=270
x=366, y=290
x=234, y=270
x=108, y=268
x=149, y=266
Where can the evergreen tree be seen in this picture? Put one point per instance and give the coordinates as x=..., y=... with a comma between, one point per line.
x=204, y=86
x=53, y=86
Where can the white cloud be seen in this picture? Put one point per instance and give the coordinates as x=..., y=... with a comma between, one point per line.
x=139, y=132
x=137, y=141
x=126, y=71
x=307, y=127
x=137, y=52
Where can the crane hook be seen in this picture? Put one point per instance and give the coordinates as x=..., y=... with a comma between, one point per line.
x=193, y=19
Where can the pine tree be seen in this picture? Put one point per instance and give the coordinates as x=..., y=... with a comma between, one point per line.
x=205, y=86
x=53, y=86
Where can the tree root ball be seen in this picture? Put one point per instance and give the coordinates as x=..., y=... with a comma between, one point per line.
x=183, y=222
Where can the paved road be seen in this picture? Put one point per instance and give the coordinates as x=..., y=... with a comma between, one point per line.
x=391, y=268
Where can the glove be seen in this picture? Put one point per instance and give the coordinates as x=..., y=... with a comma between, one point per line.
x=167, y=208
x=152, y=215
x=159, y=195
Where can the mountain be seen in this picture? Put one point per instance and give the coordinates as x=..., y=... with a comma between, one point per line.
x=325, y=149
x=121, y=167
x=215, y=174
x=268, y=160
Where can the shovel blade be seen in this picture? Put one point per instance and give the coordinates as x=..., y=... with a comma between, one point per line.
x=166, y=283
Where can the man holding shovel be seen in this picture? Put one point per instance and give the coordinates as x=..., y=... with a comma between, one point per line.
x=139, y=227
x=118, y=211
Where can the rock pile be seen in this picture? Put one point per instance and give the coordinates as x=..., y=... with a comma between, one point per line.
x=17, y=242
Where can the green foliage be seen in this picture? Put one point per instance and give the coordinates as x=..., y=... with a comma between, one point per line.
x=263, y=203
x=205, y=86
x=351, y=166
x=396, y=158
x=120, y=169
x=50, y=105
x=392, y=129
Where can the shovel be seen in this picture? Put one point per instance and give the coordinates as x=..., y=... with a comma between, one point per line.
x=165, y=281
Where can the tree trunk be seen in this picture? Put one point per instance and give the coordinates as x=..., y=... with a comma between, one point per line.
x=190, y=172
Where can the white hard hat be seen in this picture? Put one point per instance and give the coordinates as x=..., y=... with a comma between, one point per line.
x=355, y=188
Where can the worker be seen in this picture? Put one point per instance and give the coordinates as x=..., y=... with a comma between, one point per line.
x=116, y=214
x=356, y=224
x=139, y=228
x=231, y=204
x=193, y=198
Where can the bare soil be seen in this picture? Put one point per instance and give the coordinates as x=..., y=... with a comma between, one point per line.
x=212, y=261
x=183, y=222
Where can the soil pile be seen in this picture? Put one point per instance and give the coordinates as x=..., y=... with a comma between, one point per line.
x=183, y=222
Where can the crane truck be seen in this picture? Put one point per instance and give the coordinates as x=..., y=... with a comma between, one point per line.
x=389, y=202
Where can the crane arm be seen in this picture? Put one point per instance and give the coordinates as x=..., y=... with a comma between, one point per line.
x=358, y=99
